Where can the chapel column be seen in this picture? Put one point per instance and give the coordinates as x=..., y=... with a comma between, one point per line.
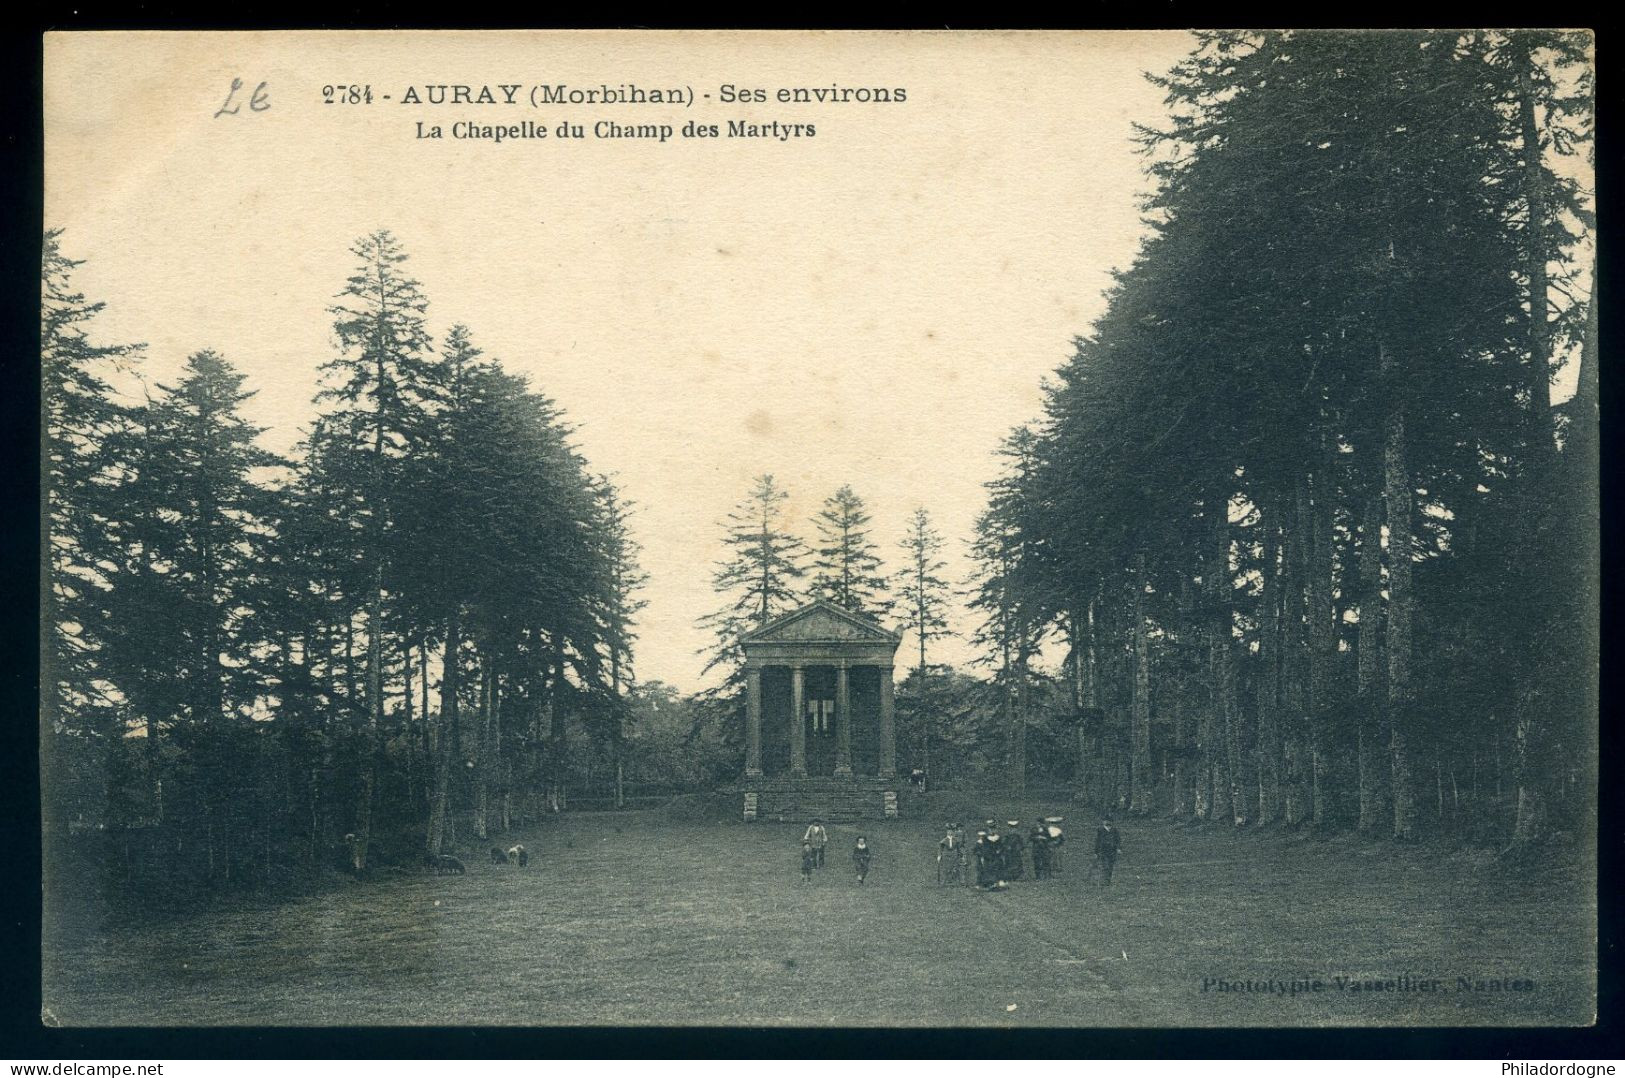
x=753, y=720
x=798, y=721
x=888, y=730
x=843, y=722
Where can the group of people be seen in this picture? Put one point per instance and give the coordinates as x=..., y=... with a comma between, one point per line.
x=816, y=839
x=998, y=854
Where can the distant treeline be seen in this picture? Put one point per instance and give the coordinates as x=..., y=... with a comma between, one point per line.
x=239, y=650
x=1321, y=548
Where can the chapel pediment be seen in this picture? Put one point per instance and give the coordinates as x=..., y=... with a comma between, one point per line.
x=821, y=622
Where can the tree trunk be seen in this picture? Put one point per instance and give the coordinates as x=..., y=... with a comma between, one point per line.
x=414, y=769
x=1226, y=741
x=423, y=711
x=1322, y=641
x=1397, y=505
x=1092, y=748
x=1269, y=675
x=558, y=736
x=1074, y=670
x=332, y=725
x=155, y=773
x=1018, y=728
x=1140, y=736
x=1117, y=760
x=1295, y=692
x=1206, y=729
x=375, y=708
x=499, y=762
x=924, y=710
x=1372, y=691
x=1534, y=192
x=1184, y=806
x=351, y=692
x=440, y=808
x=482, y=759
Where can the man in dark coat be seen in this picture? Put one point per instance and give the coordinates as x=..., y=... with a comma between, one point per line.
x=951, y=855
x=1000, y=856
x=1015, y=852
x=1038, y=842
x=1107, y=843
x=987, y=870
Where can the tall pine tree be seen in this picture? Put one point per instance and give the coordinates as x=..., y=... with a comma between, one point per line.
x=846, y=562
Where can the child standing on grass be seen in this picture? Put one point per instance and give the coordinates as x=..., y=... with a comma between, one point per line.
x=809, y=860
x=860, y=857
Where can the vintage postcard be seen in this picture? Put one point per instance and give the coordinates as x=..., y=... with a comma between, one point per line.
x=819, y=529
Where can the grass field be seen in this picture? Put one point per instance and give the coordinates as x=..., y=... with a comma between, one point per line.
x=625, y=919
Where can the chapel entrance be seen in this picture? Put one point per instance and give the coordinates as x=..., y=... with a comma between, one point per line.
x=818, y=720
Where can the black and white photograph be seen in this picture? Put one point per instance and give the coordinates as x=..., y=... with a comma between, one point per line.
x=819, y=529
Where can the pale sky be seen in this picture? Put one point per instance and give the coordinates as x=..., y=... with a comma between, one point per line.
x=876, y=305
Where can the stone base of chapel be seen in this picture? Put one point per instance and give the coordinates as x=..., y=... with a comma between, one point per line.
x=832, y=798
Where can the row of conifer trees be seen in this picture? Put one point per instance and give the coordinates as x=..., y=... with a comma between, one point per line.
x=239, y=649
x=1321, y=548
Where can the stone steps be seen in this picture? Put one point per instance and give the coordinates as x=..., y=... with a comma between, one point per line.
x=838, y=800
